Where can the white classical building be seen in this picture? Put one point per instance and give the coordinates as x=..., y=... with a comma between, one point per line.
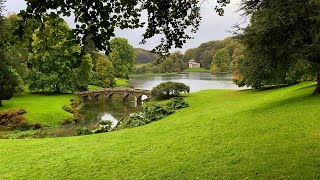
x=193, y=64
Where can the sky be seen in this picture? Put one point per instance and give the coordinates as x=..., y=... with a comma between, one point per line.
x=213, y=26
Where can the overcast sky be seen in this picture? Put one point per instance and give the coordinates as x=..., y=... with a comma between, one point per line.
x=213, y=27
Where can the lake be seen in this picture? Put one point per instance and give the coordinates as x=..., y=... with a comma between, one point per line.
x=196, y=81
x=102, y=110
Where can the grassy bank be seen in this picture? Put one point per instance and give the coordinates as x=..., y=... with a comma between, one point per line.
x=41, y=108
x=153, y=74
x=196, y=70
x=224, y=134
x=120, y=82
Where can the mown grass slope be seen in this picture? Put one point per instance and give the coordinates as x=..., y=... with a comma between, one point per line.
x=272, y=134
x=41, y=108
x=120, y=82
x=196, y=70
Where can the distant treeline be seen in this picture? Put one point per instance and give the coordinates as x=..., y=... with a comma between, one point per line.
x=215, y=55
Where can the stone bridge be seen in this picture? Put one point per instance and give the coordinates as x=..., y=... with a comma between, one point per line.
x=109, y=92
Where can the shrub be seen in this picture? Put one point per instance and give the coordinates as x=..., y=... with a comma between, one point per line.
x=152, y=112
x=155, y=69
x=38, y=135
x=37, y=126
x=76, y=114
x=134, y=120
x=83, y=131
x=140, y=70
x=177, y=103
x=75, y=103
x=96, y=79
x=169, y=89
x=14, y=120
x=103, y=126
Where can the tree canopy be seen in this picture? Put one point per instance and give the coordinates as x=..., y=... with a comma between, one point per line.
x=8, y=76
x=281, y=40
x=169, y=89
x=171, y=18
x=221, y=61
x=105, y=71
x=57, y=62
x=123, y=57
x=144, y=56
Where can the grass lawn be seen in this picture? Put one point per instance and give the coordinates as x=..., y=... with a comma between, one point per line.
x=224, y=134
x=196, y=70
x=120, y=82
x=152, y=74
x=93, y=88
x=41, y=108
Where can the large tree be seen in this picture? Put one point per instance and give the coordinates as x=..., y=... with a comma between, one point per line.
x=281, y=35
x=171, y=18
x=105, y=70
x=17, y=52
x=58, y=64
x=8, y=76
x=167, y=65
x=123, y=57
x=221, y=61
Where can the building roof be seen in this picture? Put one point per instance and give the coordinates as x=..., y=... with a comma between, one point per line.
x=192, y=60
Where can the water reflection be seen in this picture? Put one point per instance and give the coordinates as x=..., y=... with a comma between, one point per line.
x=109, y=117
x=96, y=112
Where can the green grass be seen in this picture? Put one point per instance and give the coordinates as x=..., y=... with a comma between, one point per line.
x=41, y=108
x=93, y=87
x=224, y=134
x=152, y=74
x=120, y=82
x=196, y=70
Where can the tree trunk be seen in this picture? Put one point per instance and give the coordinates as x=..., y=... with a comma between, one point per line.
x=317, y=90
x=0, y=103
x=58, y=90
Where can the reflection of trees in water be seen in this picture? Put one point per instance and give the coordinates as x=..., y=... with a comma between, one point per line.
x=93, y=112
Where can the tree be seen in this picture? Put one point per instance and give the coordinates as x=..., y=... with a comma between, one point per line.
x=172, y=18
x=58, y=64
x=281, y=35
x=189, y=54
x=167, y=65
x=177, y=59
x=105, y=71
x=8, y=78
x=237, y=58
x=221, y=61
x=123, y=57
x=17, y=52
x=169, y=89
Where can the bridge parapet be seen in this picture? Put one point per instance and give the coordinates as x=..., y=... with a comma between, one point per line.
x=109, y=92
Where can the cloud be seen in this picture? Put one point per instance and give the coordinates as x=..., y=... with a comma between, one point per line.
x=213, y=26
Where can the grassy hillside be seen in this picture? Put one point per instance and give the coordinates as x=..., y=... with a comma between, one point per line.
x=196, y=70
x=120, y=82
x=224, y=134
x=41, y=108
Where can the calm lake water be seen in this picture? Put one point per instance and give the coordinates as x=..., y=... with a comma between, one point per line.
x=196, y=81
x=102, y=110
